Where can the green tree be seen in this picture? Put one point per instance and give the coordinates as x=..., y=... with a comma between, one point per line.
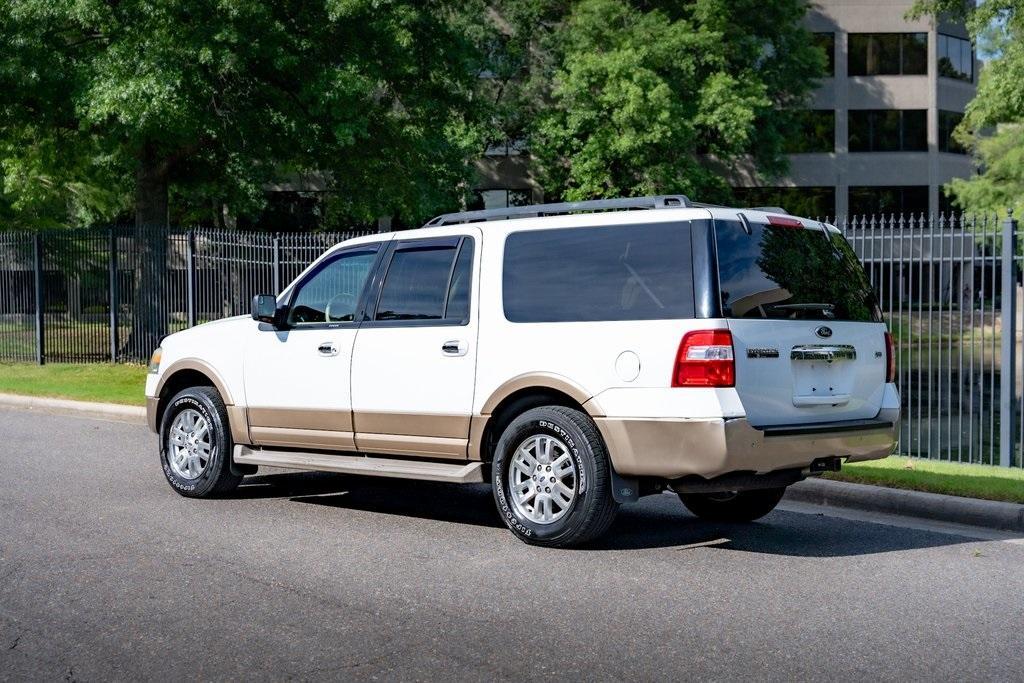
x=651, y=97
x=114, y=106
x=993, y=124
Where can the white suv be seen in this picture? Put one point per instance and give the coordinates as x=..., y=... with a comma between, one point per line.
x=576, y=356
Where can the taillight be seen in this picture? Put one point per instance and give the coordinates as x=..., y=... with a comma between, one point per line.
x=890, y=359
x=705, y=359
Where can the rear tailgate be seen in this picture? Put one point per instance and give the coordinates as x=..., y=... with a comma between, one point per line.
x=808, y=338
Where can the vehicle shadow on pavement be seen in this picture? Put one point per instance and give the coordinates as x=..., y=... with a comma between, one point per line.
x=661, y=521
x=459, y=503
x=658, y=521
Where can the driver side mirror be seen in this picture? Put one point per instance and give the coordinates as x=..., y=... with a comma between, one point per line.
x=264, y=308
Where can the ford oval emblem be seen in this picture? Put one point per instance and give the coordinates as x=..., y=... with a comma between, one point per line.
x=823, y=332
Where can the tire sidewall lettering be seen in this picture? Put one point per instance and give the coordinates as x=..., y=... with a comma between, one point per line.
x=177, y=406
x=500, y=477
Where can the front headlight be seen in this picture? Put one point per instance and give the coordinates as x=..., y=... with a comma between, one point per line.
x=154, y=361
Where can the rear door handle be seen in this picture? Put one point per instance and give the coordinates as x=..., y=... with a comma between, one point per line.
x=454, y=347
x=327, y=349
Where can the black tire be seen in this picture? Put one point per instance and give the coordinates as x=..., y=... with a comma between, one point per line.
x=215, y=477
x=592, y=509
x=733, y=506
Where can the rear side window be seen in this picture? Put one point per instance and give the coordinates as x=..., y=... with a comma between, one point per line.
x=629, y=272
x=429, y=282
x=781, y=272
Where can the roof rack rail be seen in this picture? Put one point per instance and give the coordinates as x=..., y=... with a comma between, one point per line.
x=768, y=209
x=671, y=201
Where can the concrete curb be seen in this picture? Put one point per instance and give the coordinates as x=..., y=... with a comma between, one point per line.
x=61, y=406
x=933, y=506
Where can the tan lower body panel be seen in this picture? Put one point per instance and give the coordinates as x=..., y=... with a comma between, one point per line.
x=239, y=424
x=419, y=435
x=303, y=438
x=399, y=444
x=466, y=473
x=302, y=418
x=674, y=448
x=152, y=407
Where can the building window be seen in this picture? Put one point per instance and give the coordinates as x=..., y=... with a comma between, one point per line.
x=948, y=121
x=827, y=43
x=501, y=199
x=815, y=131
x=880, y=54
x=956, y=58
x=813, y=202
x=888, y=130
x=866, y=201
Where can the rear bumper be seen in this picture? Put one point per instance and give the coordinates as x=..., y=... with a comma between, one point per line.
x=673, y=448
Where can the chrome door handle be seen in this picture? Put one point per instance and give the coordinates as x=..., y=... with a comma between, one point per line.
x=327, y=349
x=454, y=347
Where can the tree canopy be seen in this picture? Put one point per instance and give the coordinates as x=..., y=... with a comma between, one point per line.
x=101, y=102
x=993, y=125
x=185, y=110
x=653, y=97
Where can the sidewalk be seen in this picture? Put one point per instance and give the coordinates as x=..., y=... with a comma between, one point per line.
x=932, y=506
x=60, y=406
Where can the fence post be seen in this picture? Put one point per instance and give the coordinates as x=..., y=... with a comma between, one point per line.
x=38, y=268
x=277, y=263
x=1008, y=367
x=190, y=257
x=115, y=302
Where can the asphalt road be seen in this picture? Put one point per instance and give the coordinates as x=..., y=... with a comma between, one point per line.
x=105, y=573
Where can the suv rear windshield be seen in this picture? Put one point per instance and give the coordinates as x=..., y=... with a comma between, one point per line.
x=781, y=272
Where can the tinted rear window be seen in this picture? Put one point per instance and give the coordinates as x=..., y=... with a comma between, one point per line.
x=780, y=272
x=416, y=284
x=632, y=272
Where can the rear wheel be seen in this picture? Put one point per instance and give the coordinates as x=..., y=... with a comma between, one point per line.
x=733, y=506
x=552, y=478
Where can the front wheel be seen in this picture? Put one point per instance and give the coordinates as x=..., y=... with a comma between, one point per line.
x=195, y=444
x=552, y=478
x=733, y=506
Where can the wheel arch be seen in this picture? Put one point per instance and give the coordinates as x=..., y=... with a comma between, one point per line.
x=187, y=373
x=517, y=396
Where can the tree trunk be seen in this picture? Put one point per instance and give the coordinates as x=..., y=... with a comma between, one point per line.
x=149, y=313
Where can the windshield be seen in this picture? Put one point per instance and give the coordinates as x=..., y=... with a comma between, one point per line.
x=791, y=273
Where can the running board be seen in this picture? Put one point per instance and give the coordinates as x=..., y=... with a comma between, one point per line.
x=453, y=473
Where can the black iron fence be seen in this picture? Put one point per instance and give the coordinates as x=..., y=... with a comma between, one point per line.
x=85, y=296
x=949, y=288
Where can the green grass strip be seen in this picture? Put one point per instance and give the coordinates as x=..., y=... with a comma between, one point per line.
x=954, y=479
x=104, y=382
